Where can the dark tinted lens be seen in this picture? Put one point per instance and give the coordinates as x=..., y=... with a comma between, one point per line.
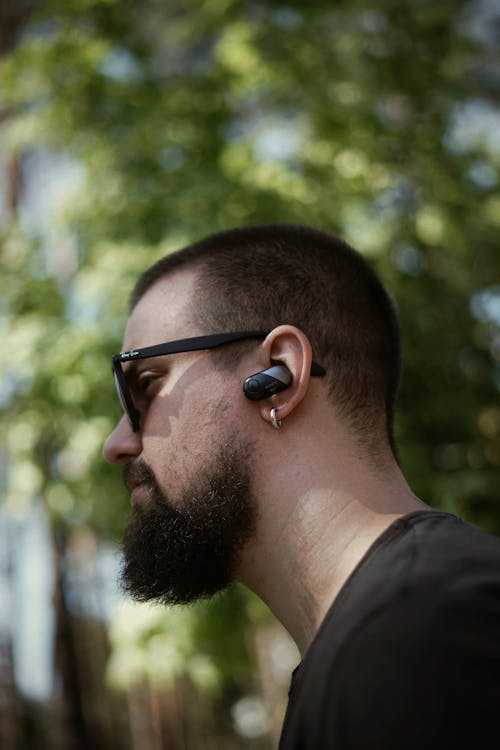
x=122, y=397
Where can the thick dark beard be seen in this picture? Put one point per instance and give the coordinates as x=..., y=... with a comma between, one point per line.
x=177, y=552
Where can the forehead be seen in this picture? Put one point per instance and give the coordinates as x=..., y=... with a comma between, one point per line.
x=164, y=312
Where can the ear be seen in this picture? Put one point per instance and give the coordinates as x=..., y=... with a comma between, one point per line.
x=289, y=346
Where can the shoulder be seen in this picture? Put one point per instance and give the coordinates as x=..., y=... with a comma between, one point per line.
x=411, y=658
x=424, y=668
x=441, y=613
x=421, y=672
x=433, y=660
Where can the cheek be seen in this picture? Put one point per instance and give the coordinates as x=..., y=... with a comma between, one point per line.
x=180, y=435
x=173, y=408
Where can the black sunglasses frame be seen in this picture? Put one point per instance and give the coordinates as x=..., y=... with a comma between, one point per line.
x=195, y=343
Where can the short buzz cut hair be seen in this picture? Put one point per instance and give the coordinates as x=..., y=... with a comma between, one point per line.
x=259, y=277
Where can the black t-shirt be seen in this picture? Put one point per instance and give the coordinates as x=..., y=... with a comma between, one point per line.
x=408, y=655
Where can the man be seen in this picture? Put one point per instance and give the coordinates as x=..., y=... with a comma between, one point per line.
x=291, y=485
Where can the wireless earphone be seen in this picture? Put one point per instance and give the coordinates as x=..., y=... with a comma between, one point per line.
x=267, y=382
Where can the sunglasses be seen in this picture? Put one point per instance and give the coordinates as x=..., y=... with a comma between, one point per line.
x=196, y=343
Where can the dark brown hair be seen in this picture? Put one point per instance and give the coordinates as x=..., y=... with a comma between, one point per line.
x=258, y=277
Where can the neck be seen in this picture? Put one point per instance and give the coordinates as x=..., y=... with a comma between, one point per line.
x=310, y=539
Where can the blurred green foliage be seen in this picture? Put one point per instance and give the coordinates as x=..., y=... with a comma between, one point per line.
x=172, y=120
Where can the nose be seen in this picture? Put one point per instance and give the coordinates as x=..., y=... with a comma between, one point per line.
x=123, y=443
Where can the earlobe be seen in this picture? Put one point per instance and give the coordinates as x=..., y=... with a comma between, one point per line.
x=290, y=348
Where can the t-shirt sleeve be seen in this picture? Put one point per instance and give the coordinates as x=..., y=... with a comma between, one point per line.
x=422, y=673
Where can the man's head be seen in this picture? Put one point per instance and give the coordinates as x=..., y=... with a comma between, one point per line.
x=200, y=448
x=263, y=276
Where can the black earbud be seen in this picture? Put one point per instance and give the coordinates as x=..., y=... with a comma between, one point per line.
x=267, y=382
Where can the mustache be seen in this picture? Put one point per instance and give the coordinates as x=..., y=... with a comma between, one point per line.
x=136, y=472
